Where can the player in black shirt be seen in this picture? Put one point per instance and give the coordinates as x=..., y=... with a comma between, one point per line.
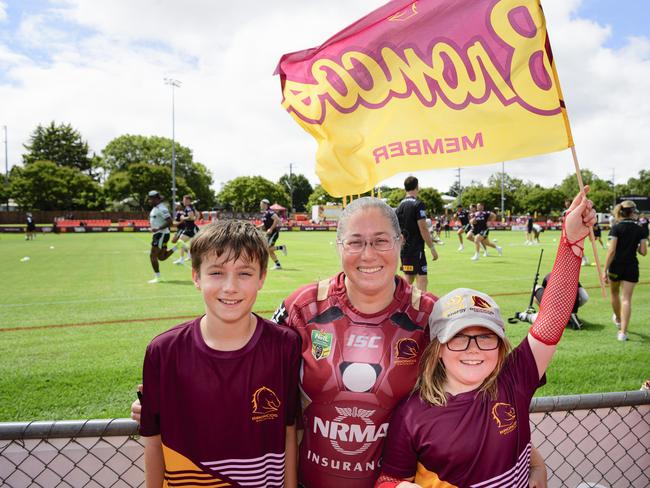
x=626, y=239
x=412, y=221
x=185, y=219
x=463, y=217
x=271, y=224
x=480, y=221
x=30, y=227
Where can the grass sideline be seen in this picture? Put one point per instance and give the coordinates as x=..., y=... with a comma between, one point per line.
x=76, y=317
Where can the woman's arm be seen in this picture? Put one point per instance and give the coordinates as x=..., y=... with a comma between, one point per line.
x=611, y=252
x=538, y=475
x=643, y=247
x=559, y=296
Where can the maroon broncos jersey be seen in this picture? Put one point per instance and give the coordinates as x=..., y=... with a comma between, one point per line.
x=355, y=369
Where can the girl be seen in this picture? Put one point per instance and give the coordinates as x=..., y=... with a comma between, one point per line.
x=626, y=238
x=468, y=423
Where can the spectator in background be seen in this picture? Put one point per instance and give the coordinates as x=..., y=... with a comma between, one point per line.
x=30, y=227
x=626, y=239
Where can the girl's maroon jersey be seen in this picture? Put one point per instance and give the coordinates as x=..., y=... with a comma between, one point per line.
x=355, y=369
x=222, y=416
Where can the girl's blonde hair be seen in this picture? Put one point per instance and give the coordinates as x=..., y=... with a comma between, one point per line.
x=431, y=380
x=624, y=210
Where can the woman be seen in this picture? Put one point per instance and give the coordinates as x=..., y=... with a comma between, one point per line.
x=362, y=332
x=626, y=238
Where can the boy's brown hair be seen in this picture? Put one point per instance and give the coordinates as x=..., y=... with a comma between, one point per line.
x=234, y=238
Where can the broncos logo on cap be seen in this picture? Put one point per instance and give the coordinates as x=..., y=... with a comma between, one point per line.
x=480, y=302
x=505, y=417
x=265, y=401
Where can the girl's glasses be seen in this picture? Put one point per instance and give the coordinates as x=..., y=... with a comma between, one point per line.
x=485, y=342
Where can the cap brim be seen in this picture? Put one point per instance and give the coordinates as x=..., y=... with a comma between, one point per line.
x=457, y=325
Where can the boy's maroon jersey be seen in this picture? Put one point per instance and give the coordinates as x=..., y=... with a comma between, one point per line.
x=221, y=415
x=356, y=367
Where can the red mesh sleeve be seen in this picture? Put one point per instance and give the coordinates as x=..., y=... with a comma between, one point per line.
x=560, y=294
x=385, y=481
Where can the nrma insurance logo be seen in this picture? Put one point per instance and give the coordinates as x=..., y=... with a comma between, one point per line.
x=352, y=431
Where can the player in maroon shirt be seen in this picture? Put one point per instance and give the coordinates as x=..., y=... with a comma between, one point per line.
x=468, y=424
x=221, y=391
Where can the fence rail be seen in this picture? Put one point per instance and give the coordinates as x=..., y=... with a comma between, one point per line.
x=588, y=441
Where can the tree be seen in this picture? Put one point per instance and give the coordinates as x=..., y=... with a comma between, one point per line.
x=44, y=185
x=127, y=150
x=432, y=200
x=320, y=197
x=139, y=179
x=244, y=193
x=60, y=144
x=490, y=197
x=394, y=197
x=298, y=187
x=569, y=185
x=545, y=201
x=640, y=185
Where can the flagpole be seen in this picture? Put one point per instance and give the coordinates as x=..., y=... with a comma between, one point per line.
x=592, y=238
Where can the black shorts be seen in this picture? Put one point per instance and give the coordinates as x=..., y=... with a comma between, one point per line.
x=624, y=272
x=187, y=232
x=484, y=233
x=466, y=228
x=597, y=232
x=160, y=240
x=414, y=262
x=529, y=228
x=272, y=238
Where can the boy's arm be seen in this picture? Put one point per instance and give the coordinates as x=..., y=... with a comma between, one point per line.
x=154, y=463
x=559, y=296
x=291, y=458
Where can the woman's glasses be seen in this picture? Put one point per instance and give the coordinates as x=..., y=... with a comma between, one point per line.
x=356, y=245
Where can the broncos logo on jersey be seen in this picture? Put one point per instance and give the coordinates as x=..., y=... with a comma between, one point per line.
x=505, y=417
x=265, y=403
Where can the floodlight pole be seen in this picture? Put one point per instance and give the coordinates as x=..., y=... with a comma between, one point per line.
x=174, y=84
x=6, y=168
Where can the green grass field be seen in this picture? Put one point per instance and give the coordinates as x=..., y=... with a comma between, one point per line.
x=76, y=317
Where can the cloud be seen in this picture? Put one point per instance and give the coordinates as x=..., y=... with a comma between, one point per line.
x=3, y=11
x=100, y=66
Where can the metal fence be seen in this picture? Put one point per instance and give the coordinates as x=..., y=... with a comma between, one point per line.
x=587, y=441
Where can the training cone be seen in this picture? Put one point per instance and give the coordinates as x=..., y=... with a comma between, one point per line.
x=26, y=258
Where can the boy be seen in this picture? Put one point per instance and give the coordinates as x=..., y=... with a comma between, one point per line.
x=220, y=391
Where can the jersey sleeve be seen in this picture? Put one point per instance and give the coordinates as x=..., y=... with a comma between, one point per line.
x=613, y=232
x=293, y=396
x=150, y=416
x=520, y=370
x=421, y=211
x=644, y=233
x=400, y=458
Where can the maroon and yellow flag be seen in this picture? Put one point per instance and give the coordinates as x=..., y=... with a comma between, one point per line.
x=427, y=84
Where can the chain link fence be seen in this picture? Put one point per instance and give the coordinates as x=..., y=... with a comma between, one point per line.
x=587, y=441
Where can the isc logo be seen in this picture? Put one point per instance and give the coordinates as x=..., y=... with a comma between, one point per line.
x=370, y=342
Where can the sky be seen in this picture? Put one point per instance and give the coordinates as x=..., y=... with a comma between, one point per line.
x=100, y=66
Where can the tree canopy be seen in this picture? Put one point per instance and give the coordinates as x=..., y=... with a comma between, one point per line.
x=298, y=187
x=44, y=185
x=124, y=151
x=244, y=193
x=60, y=144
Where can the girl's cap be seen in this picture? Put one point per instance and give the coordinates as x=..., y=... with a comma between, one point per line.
x=462, y=308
